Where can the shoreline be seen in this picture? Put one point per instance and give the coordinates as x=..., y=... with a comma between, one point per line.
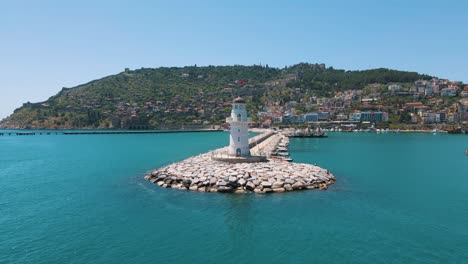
x=28, y=132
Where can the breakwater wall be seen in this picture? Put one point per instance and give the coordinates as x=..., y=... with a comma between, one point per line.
x=204, y=174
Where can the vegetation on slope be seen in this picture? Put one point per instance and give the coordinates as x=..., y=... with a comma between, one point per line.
x=148, y=98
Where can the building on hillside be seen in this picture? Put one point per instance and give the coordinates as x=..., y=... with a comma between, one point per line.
x=440, y=117
x=428, y=118
x=428, y=91
x=394, y=88
x=450, y=92
x=369, y=116
x=341, y=117
x=322, y=116
x=311, y=117
x=453, y=117
x=277, y=119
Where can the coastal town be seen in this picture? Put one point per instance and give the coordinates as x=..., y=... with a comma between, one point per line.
x=197, y=102
x=424, y=104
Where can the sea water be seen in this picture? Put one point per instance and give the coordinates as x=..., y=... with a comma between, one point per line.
x=398, y=198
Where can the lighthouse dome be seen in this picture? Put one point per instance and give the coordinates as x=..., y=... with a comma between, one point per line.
x=239, y=100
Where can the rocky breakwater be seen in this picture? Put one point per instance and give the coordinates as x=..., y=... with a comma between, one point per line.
x=201, y=173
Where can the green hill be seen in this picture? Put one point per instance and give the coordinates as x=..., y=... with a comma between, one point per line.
x=151, y=98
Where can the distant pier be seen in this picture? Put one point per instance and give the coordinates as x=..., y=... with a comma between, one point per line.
x=103, y=132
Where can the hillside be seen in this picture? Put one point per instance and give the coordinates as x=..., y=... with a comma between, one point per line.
x=151, y=98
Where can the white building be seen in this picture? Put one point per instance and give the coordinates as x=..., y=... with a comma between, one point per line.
x=394, y=88
x=239, y=139
x=429, y=118
x=451, y=92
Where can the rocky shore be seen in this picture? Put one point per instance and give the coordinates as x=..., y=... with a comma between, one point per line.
x=202, y=173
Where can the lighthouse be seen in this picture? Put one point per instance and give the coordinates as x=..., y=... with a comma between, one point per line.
x=239, y=139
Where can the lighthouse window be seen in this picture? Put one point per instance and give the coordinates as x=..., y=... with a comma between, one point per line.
x=238, y=139
x=235, y=106
x=239, y=116
x=238, y=130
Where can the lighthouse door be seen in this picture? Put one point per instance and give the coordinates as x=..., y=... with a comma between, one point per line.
x=238, y=152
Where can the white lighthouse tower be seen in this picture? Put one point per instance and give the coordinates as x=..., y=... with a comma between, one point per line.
x=239, y=140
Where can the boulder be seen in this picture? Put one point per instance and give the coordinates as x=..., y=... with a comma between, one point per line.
x=224, y=189
x=153, y=180
x=193, y=187
x=221, y=183
x=266, y=184
x=232, y=179
x=176, y=185
x=259, y=190
x=186, y=183
x=277, y=184
x=288, y=187
x=213, y=180
x=267, y=190
x=279, y=189
x=250, y=186
x=242, y=182
x=298, y=185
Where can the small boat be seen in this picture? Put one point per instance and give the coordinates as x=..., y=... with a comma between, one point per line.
x=283, y=154
x=466, y=152
x=288, y=159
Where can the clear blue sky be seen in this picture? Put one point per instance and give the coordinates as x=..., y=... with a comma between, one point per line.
x=47, y=45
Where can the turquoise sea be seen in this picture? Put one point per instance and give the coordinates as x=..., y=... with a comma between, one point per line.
x=399, y=198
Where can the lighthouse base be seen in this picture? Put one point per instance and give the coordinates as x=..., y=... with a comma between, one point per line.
x=234, y=159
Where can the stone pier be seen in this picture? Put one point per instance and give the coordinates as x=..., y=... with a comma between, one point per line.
x=204, y=174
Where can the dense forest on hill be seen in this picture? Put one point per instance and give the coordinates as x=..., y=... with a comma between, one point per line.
x=329, y=80
x=155, y=97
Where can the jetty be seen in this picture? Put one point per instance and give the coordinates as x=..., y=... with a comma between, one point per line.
x=246, y=165
x=204, y=174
